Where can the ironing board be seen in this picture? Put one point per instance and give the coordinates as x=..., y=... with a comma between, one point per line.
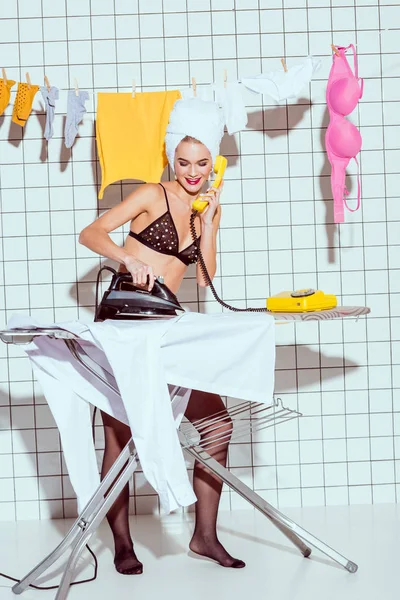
x=261, y=416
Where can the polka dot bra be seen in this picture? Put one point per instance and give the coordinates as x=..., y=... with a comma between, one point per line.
x=162, y=236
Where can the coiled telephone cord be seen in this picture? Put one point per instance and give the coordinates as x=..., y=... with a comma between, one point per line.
x=207, y=277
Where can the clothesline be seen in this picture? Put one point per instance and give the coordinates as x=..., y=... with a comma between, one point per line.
x=47, y=82
x=134, y=85
x=193, y=86
x=280, y=85
x=194, y=83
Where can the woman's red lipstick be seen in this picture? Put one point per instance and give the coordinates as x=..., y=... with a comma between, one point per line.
x=193, y=181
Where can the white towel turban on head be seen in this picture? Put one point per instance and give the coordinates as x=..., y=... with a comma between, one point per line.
x=200, y=119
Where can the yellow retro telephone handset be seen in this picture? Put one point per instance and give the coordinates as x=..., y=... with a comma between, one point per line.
x=307, y=300
x=219, y=169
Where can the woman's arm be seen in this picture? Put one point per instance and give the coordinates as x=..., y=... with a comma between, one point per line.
x=96, y=235
x=208, y=244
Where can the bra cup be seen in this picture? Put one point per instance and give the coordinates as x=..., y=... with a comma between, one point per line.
x=344, y=95
x=344, y=139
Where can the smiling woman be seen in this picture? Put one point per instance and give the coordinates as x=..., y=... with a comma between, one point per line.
x=160, y=242
x=193, y=173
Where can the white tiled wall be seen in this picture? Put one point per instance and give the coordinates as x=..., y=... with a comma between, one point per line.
x=277, y=229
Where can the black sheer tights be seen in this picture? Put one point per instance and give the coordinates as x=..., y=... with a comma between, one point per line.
x=207, y=488
x=116, y=436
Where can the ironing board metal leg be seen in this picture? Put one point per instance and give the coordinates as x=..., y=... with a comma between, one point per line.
x=292, y=530
x=48, y=561
x=90, y=517
x=248, y=494
x=69, y=570
x=92, y=526
x=98, y=497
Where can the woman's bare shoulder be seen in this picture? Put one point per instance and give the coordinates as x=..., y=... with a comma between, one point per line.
x=145, y=193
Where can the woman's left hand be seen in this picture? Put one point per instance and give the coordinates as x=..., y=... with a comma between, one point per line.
x=212, y=196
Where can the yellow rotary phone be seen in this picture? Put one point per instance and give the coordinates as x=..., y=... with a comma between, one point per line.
x=307, y=300
x=219, y=169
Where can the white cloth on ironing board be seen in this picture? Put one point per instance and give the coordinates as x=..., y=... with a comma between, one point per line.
x=230, y=355
x=65, y=388
x=281, y=85
x=144, y=403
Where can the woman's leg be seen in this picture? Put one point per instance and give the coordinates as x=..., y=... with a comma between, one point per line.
x=207, y=486
x=116, y=436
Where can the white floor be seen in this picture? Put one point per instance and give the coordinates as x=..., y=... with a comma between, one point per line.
x=367, y=535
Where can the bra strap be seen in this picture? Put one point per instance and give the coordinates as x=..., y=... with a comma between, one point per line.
x=358, y=190
x=355, y=59
x=166, y=197
x=361, y=86
x=361, y=81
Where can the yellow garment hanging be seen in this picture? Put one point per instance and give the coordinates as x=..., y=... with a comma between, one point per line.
x=130, y=134
x=23, y=103
x=5, y=93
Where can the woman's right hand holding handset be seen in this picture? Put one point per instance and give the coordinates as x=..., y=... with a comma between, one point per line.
x=142, y=274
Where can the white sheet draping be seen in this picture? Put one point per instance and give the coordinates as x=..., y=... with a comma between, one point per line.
x=227, y=354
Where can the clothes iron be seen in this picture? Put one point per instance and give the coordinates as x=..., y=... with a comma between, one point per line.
x=123, y=300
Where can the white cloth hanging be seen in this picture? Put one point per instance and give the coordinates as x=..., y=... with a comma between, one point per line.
x=204, y=92
x=281, y=85
x=230, y=99
x=232, y=355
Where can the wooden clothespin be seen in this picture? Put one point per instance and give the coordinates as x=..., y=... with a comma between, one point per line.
x=76, y=87
x=133, y=88
x=194, y=86
x=284, y=64
x=47, y=83
x=335, y=50
x=28, y=79
x=3, y=71
x=225, y=77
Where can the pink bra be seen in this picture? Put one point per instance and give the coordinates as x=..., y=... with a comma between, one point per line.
x=342, y=140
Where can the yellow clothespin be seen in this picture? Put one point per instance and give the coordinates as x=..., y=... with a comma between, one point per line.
x=194, y=86
x=3, y=71
x=28, y=79
x=225, y=77
x=284, y=64
x=76, y=87
x=335, y=50
x=133, y=88
x=47, y=83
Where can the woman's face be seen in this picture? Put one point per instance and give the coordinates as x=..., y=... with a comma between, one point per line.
x=193, y=164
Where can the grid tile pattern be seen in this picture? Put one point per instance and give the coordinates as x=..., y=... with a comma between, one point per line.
x=343, y=376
